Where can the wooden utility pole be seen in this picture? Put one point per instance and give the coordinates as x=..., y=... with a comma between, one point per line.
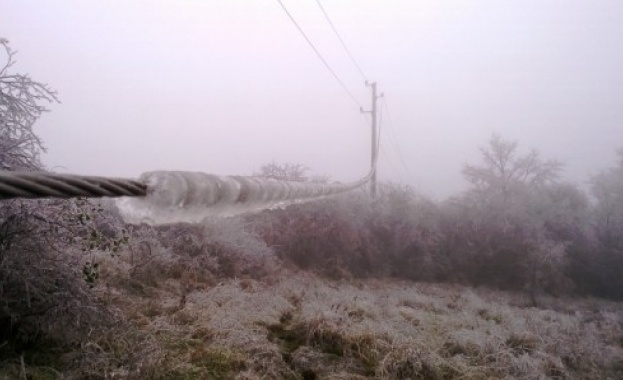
x=374, y=140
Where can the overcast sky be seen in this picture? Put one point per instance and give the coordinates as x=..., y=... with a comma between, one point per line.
x=222, y=86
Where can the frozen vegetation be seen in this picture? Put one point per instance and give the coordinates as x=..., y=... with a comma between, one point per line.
x=216, y=301
x=518, y=277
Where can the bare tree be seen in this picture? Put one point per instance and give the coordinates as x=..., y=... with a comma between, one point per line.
x=45, y=266
x=607, y=189
x=21, y=101
x=503, y=168
x=510, y=218
x=284, y=172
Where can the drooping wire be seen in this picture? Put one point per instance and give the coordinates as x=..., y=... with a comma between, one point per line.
x=326, y=15
x=324, y=61
x=378, y=133
x=378, y=146
x=393, y=138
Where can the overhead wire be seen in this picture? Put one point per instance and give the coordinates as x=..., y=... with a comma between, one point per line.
x=394, y=140
x=327, y=65
x=324, y=61
x=339, y=37
x=346, y=49
x=378, y=147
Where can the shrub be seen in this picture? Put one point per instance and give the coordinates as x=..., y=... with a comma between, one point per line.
x=47, y=270
x=393, y=235
x=224, y=247
x=47, y=266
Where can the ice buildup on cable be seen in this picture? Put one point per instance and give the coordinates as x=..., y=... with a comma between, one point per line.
x=191, y=197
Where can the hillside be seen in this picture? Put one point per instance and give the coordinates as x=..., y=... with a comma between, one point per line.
x=296, y=325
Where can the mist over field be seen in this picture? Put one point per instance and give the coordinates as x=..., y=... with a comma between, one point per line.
x=221, y=86
x=319, y=189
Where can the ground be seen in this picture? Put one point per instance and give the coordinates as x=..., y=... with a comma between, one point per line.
x=296, y=325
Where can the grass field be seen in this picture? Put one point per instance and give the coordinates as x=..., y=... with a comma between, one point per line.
x=295, y=325
x=191, y=315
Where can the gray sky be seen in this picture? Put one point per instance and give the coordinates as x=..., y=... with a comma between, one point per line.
x=222, y=86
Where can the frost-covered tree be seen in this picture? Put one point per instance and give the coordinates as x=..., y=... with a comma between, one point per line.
x=502, y=230
x=505, y=171
x=21, y=104
x=284, y=172
x=607, y=189
x=44, y=244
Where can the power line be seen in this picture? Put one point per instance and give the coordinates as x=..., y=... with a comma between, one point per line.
x=326, y=15
x=378, y=134
x=324, y=61
x=391, y=165
x=381, y=150
x=394, y=139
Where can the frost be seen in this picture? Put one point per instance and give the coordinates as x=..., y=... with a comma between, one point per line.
x=191, y=197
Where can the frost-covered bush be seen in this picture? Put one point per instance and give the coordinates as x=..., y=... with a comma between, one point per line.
x=46, y=271
x=515, y=226
x=318, y=236
x=393, y=235
x=607, y=260
x=224, y=247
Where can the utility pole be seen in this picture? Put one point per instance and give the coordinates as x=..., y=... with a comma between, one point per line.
x=373, y=155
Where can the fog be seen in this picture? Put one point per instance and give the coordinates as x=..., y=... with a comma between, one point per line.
x=223, y=86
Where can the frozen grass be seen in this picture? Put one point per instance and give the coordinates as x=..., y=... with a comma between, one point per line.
x=300, y=326
x=296, y=325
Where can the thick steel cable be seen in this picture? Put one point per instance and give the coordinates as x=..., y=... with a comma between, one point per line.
x=191, y=197
x=169, y=197
x=44, y=185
